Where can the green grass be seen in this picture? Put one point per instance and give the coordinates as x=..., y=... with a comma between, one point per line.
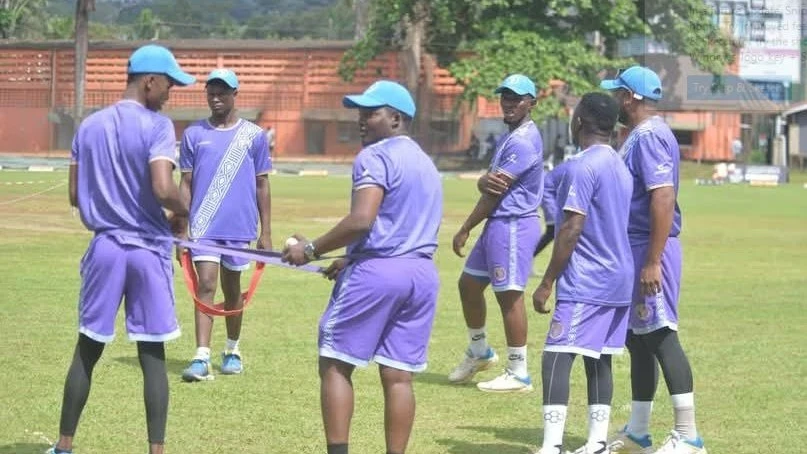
x=744, y=317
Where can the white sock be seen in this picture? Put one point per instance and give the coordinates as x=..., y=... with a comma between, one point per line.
x=232, y=345
x=554, y=423
x=598, y=417
x=202, y=353
x=478, y=342
x=684, y=410
x=517, y=361
x=639, y=423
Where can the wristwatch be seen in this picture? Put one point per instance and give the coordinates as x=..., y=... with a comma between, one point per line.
x=310, y=252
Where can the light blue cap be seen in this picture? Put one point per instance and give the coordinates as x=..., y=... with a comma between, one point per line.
x=518, y=84
x=225, y=75
x=383, y=93
x=640, y=80
x=154, y=59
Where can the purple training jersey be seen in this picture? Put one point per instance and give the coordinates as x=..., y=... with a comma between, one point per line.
x=113, y=148
x=410, y=213
x=652, y=156
x=549, y=202
x=600, y=271
x=224, y=163
x=519, y=154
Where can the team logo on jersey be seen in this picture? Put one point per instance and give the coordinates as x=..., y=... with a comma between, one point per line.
x=555, y=330
x=499, y=274
x=661, y=169
x=644, y=311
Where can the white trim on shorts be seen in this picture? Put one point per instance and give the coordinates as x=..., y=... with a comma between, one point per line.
x=612, y=351
x=214, y=259
x=384, y=361
x=138, y=337
x=573, y=349
x=506, y=288
x=476, y=273
x=649, y=329
x=512, y=259
x=95, y=336
x=328, y=352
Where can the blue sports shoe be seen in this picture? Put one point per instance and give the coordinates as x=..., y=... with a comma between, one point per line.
x=231, y=363
x=198, y=370
x=53, y=450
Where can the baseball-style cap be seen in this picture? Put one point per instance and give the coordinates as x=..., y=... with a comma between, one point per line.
x=518, y=84
x=154, y=59
x=383, y=93
x=643, y=82
x=225, y=75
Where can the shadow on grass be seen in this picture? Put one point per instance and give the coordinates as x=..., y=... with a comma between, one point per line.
x=467, y=447
x=440, y=379
x=24, y=448
x=174, y=366
x=514, y=440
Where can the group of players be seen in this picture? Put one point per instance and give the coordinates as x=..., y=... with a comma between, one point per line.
x=616, y=259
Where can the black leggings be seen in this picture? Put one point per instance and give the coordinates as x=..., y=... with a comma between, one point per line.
x=647, y=351
x=79, y=378
x=556, y=369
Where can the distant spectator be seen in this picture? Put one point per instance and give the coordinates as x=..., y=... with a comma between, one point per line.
x=270, y=139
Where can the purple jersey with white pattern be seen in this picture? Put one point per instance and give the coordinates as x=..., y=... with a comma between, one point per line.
x=652, y=156
x=224, y=163
x=409, y=217
x=549, y=202
x=600, y=271
x=519, y=154
x=113, y=149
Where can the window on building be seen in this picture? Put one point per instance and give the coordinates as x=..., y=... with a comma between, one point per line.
x=684, y=138
x=348, y=132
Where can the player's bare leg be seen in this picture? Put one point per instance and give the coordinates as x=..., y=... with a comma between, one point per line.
x=399, y=408
x=479, y=356
x=336, y=401
x=231, y=287
x=516, y=377
x=208, y=279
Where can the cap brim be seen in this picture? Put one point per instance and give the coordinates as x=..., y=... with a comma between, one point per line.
x=611, y=84
x=181, y=78
x=223, y=80
x=357, y=101
x=515, y=90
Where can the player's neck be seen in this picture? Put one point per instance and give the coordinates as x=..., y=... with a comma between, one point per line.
x=224, y=121
x=133, y=94
x=518, y=124
x=640, y=118
x=587, y=142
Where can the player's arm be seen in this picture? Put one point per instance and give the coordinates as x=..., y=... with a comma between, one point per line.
x=165, y=190
x=72, y=184
x=264, y=191
x=363, y=211
x=565, y=242
x=546, y=238
x=662, y=212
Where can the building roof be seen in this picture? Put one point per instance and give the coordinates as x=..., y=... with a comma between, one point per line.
x=794, y=109
x=687, y=88
x=185, y=44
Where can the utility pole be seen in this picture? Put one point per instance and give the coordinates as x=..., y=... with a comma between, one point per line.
x=82, y=40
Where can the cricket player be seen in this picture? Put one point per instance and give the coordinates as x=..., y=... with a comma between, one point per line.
x=502, y=256
x=383, y=302
x=121, y=179
x=593, y=265
x=225, y=167
x=652, y=155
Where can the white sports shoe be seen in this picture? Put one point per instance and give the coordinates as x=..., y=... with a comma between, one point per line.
x=470, y=365
x=674, y=444
x=587, y=449
x=507, y=382
x=625, y=443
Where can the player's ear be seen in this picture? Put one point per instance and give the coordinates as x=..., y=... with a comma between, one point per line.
x=235, y=93
x=397, y=119
x=533, y=102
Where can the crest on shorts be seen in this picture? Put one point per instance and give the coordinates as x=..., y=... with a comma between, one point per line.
x=555, y=330
x=498, y=273
x=643, y=311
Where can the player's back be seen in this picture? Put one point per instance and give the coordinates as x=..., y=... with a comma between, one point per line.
x=600, y=270
x=409, y=218
x=113, y=149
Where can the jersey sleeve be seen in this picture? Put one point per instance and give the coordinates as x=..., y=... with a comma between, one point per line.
x=370, y=169
x=164, y=139
x=581, y=183
x=260, y=154
x=186, y=152
x=654, y=162
x=74, y=148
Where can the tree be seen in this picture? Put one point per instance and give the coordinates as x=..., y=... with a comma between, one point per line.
x=544, y=38
x=15, y=14
x=147, y=25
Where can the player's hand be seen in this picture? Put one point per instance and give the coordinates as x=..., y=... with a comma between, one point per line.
x=334, y=269
x=494, y=184
x=459, y=242
x=540, y=297
x=295, y=254
x=265, y=241
x=179, y=251
x=650, y=278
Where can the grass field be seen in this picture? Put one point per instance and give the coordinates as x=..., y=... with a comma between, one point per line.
x=744, y=317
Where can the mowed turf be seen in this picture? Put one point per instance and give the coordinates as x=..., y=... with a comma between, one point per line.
x=744, y=325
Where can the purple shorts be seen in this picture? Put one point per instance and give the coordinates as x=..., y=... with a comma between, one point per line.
x=503, y=254
x=227, y=261
x=111, y=272
x=651, y=313
x=381, y=309
x=587, y=329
